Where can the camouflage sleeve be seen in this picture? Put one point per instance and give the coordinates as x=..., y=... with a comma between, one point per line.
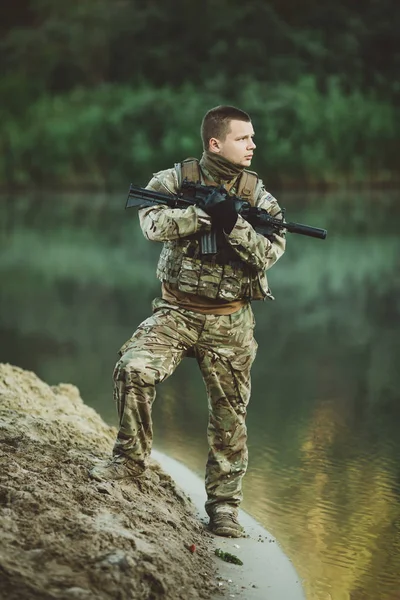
x=255, y=249
x=160, y=223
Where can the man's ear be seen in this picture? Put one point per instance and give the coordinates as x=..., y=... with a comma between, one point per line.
x=214, y=145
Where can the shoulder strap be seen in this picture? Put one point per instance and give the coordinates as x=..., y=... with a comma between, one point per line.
x=247, y=186
x=190, y=170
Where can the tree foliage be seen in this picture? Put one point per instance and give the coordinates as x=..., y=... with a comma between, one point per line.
x=87, y=42
x=99, y=86
x=102, y=136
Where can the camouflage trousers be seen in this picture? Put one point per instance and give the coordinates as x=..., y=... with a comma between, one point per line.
x=225, y=348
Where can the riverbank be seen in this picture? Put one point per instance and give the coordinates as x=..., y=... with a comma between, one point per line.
x=266, y=574
x=64, y=536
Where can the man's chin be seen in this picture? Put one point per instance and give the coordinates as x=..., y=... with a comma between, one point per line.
x=245, y=162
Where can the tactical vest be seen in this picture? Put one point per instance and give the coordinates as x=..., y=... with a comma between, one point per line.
x=223, y=276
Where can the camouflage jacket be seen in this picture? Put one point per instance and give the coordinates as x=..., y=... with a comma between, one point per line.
x=242, y=276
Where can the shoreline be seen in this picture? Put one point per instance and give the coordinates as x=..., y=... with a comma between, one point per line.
x=266, y=572
x=279, y=186
x=67, y=536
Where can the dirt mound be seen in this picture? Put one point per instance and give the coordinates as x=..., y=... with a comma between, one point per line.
x=63, y=535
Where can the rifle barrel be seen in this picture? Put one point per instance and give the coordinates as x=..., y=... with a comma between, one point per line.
x=263, y=218
x=315, y=232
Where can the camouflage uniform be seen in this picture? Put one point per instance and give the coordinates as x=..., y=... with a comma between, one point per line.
x=223, y=344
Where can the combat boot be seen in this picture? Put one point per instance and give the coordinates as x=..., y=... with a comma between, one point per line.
x=116, y=468
x=224, y=522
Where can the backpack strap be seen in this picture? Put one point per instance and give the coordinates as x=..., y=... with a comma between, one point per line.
x=247, y=186
x=190, y=170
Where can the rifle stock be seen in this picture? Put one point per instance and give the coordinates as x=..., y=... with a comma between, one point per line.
x=141, y=197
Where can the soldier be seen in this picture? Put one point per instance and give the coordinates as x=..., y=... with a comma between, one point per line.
x=205, y=310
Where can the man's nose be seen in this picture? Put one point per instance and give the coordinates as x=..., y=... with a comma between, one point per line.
x=251, y=145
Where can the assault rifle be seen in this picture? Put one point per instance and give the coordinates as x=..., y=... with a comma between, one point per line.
x=195, y=193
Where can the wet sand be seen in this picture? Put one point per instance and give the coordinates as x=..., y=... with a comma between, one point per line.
x=266, y=573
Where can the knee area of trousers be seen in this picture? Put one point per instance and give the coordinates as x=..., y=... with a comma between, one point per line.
x=133, y=369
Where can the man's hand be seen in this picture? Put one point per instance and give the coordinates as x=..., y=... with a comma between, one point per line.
x=221, y=209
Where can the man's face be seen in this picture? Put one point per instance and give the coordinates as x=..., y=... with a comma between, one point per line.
x=238, y=146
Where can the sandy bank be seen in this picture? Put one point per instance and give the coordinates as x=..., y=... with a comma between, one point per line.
x=65, y=536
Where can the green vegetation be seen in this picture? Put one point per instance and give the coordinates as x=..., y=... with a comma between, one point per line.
x=106, y=135
x=228, y=557
x=96, y=93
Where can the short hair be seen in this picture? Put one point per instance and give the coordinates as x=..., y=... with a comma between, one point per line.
x=216, y=121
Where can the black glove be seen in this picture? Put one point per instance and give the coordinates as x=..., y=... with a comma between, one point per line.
x=221, y=209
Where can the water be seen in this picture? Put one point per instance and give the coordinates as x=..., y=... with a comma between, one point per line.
x=77, y=276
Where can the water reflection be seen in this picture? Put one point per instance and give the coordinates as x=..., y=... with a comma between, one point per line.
x=336, y=508
x=77, y=277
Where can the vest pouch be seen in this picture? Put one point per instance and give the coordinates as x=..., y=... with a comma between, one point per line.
x=233, y=284
x=260, y=287
x=197, y=277
x=212, y=280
